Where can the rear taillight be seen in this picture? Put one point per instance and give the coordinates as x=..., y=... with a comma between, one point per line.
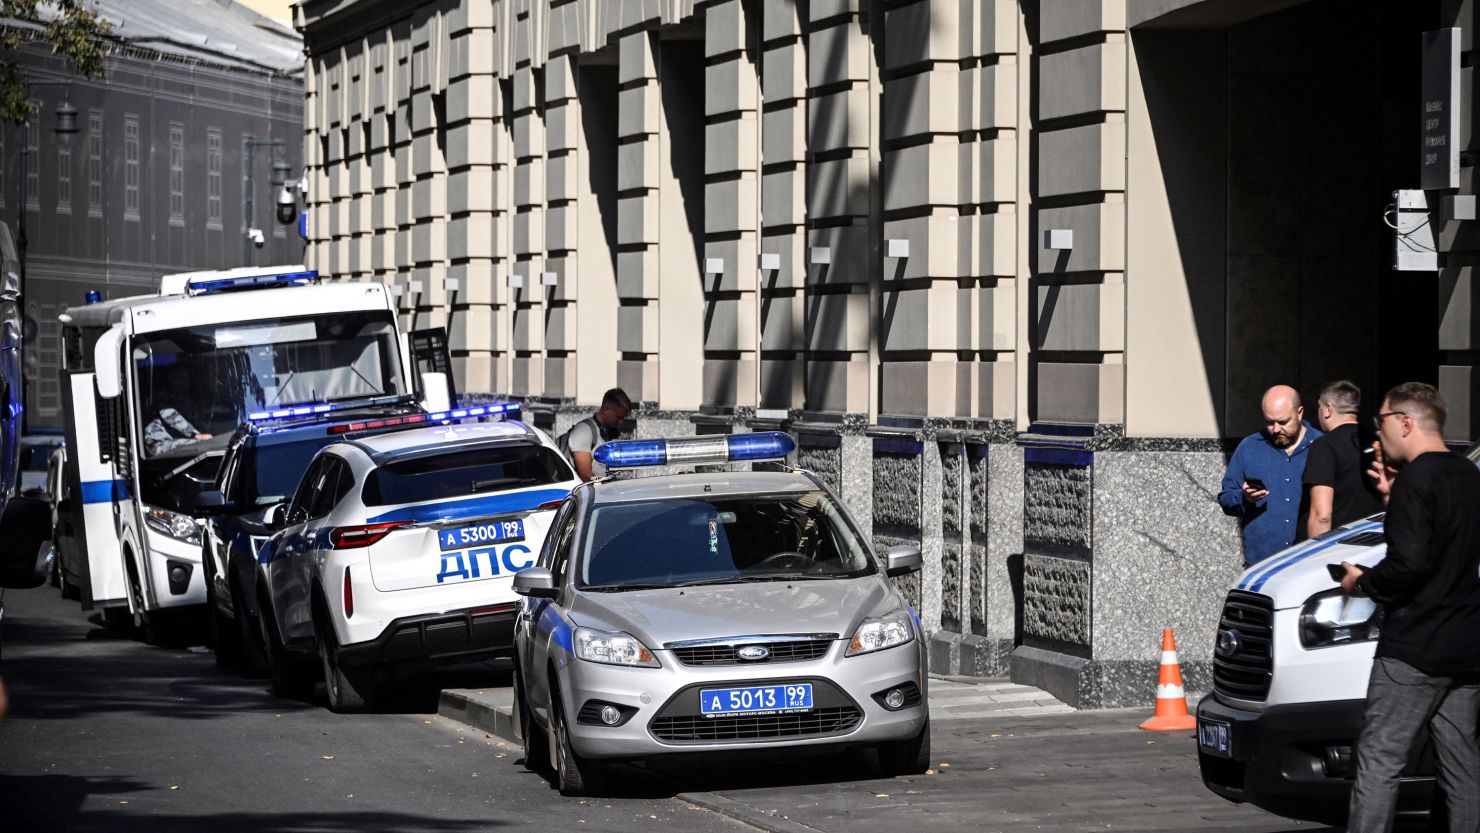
x=392, y=422
x=349, y=596
x=354, y=537
x=550, y=504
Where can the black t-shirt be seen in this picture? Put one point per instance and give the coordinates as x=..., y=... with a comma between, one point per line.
x=1429, y=581
x=1336, y=460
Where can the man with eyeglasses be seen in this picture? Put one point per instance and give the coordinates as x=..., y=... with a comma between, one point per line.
x=1427, y=666
x=1263, y=486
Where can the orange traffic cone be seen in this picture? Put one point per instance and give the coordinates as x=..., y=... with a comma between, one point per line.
x=1171, y=701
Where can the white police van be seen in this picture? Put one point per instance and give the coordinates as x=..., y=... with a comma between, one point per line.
x=1290, y=668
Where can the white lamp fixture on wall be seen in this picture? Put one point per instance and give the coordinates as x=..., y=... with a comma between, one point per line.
x=516, y=280
x=896, y=248
x=451, y=284
x=714, y=266
x=1058, y=239
x=548, y=278
x=820, y=255
x=770, y=261
x=414, y=287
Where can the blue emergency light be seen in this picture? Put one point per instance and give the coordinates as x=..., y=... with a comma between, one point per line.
x=473, y=413
x=714, y=450
x=259, y=281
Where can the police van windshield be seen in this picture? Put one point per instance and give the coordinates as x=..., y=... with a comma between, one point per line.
x=465, y=472
x=199, y=383
x=721, y=540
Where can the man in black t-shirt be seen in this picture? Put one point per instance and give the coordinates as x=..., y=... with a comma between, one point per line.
x=1427, y=666
x=1338, y=493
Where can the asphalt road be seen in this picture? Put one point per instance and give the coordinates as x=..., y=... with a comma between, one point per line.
x=109, y=734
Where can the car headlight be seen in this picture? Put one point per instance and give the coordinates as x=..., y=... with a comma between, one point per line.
x=177, y=526
x=1334, y=618
x=883, y=632
x=613, y=648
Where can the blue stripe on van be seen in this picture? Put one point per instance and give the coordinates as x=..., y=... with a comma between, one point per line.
x=104, y=491
x=1257, y=581
x=476, y=507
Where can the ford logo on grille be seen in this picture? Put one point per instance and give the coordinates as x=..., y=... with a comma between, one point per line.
x=1228, y=643
x=753, y=653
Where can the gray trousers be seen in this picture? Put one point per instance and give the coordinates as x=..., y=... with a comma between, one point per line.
x=1400, y=701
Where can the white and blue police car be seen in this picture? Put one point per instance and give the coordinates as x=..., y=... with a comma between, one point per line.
x=716, y=614
x=397, y=550
x=1290, y=668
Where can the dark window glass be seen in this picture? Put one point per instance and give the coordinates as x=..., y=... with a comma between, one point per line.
x=465, y=472
x=721, y=540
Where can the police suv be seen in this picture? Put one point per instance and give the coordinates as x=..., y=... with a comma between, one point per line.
x=265, y=460
x=718, y=613
x=398, y=549
x=1290, y=668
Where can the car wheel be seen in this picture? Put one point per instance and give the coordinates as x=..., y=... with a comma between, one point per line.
x=222, y=634
x=350, y=690
x=536, y=742
x=253, y=660
x=148, y=627
x=286, y=673
x=574, y=775
x=906, y=757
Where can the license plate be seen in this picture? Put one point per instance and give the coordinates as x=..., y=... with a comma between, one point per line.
x=762, y=699
x=498, y=532
x=1215, y=738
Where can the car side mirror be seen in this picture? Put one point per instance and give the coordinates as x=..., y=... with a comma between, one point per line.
x=535, y=581
x=275, y=517
x=211, y=502
x=902, y=559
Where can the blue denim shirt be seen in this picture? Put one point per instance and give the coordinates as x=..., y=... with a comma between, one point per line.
x=1274, y=522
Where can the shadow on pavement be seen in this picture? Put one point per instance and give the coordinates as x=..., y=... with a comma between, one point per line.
x=57, y=802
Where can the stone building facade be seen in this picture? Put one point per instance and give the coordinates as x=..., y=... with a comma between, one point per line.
x=1014, y=272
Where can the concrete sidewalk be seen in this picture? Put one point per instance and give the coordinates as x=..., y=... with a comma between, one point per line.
x=1007, y=758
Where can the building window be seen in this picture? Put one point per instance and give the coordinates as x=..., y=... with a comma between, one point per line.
x=213, y=179
x=131, y=167
x=95, y=163
x=33, y=160
x=64, y=179
x=177, y=174
x=48, y=387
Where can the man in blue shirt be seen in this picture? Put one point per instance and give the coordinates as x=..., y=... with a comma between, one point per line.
x=1263, y=484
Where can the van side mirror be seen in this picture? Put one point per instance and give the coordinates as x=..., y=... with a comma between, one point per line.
x=535, y=581
x=106, y=370
x=901, y=559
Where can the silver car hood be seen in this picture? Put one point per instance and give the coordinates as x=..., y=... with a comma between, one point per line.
x=659, y=617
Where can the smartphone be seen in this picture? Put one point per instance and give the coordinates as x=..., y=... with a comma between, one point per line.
x=1255, y=483
x=1337, y=572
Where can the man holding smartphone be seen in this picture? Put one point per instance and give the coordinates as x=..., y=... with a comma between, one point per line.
x=1426, y=672
x=1263, y=484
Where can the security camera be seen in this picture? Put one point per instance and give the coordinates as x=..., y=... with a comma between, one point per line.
x=255, y=235
x=287, y=207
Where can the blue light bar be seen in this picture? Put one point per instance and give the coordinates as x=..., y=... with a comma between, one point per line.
x=474, y=413
x=205, y=287
x=729, y=448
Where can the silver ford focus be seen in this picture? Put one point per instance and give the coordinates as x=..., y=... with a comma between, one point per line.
x=712, y=613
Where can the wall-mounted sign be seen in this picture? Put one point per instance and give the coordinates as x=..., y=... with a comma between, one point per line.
x=1440, y=110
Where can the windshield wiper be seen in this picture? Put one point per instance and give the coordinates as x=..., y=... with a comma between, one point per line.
x=621, y=588
x=495, y=482
x=175, y=472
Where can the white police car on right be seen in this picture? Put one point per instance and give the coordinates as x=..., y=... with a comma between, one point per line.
x=1290, y=667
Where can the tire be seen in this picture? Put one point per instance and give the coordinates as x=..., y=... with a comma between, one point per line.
x=350, y=690
x=289, y=680
x=906, y=757
x=70, y=591
x=536, y=742
x=252, y=658
x=222, y=633
x=146, y=627
x=574, y=775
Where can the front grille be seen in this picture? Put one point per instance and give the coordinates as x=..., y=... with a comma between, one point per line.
x=825, y=721
x=1244, y=673
x=788, y=651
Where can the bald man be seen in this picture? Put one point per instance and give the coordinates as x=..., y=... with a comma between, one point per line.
x=1262, y=487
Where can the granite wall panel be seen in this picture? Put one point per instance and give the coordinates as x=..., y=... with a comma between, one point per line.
x=1057, y=595
x=1058, y=506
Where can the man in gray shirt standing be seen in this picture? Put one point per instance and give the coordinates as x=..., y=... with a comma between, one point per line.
x=583, y=438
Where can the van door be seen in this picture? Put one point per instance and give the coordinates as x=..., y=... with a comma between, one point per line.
x=429, y=355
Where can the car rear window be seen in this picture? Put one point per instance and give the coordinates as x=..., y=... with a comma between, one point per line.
x=465, y=472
